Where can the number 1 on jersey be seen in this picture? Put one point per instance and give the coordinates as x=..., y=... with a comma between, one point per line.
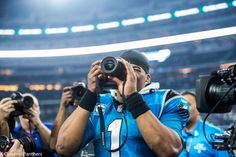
x=115, y=128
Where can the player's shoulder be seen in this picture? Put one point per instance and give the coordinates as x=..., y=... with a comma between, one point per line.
x=171, y=96
x=175, y=102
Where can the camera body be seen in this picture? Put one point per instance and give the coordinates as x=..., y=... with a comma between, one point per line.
x=78, y=90
x=211, y=88
x=112, y=67
x=26, y=141
x=23, y=102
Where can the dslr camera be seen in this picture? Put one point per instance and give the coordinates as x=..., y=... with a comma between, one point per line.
x=26, y=141
x=78, y=90
x=23, y=102
x=219, y=86
x=112, y=67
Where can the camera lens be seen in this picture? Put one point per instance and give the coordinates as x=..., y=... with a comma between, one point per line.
x=109, y=65
x=28, y=101
x=112, y=67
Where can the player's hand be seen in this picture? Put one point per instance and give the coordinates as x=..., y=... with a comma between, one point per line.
x=94, y=72
x=6, y=107
x=131, y=79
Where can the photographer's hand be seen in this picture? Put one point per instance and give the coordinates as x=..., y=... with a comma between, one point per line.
x=33, y=115
x=95, y=71
x=66, y=97
x=6, y=107
x=16, y=150
x=131, y=79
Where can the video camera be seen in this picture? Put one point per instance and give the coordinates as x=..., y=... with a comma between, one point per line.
x=26, y=141
x=216, y=94
x=210, y=89
x=23, y=102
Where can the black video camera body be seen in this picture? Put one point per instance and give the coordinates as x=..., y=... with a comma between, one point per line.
x=23, y=102
x=210, y=89
x=26, y=141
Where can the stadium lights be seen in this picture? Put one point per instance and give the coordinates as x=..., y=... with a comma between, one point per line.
x=133, y=21
x=108, y=25
x=186, y=12
x=7, y=32
x=214, y=7
x=56, y=30
x=234, y=3
x=159, y=17
x=121, y=46
x=84, y=28
x=35, y=31
x=9, y=88
x=126, y=22
x=159, y=56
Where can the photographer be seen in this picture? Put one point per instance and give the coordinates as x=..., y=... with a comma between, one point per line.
x=195, y=143
x=15, y=151
x=147, y=124
x=6, y=125
x=31, y=125
x=6, y=107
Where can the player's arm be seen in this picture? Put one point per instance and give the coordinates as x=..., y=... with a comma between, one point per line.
x=160, y=139
x=66, y=99
x=73, y=129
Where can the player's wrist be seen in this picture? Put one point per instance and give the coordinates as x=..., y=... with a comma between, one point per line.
x=88, y=101
x=136, y=105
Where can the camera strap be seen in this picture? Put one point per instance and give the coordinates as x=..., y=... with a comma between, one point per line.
x=102, y=121
x=31, y=135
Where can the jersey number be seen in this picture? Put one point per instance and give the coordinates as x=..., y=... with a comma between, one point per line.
x=115, y=128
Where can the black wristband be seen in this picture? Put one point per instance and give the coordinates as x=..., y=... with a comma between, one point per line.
x=136, y=105
x=88, y=101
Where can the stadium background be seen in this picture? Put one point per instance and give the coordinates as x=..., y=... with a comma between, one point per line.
x=57, y=25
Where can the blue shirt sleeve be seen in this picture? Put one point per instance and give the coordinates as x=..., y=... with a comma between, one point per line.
x=175, y=114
